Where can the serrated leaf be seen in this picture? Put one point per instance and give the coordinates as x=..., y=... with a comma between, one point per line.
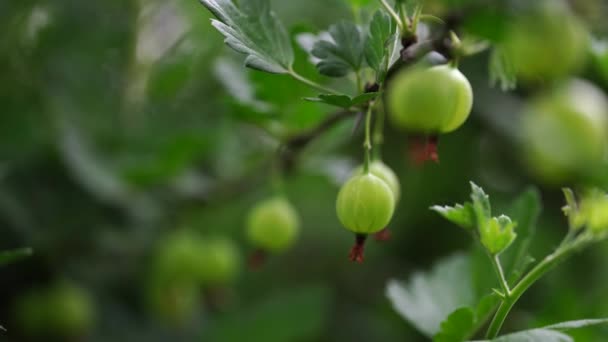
x=535, y=335
x=341, y=54
x=497, y=234
x=457, y=326
x=524, y=210
x=461, y=215
x=378, y=47
x=581, y=323
x=342, y=101
x=253, y=29
x=427, y=298
x=10, y=256
x=481, y=204
x=502, y=71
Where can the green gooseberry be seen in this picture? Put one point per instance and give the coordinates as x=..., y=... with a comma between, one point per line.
x=565, y=131
x=273, y=224
x=546, y=43
x=365, y=204
x=63, y=310
x=382, y=171
x=429, y=100
x=219, y=261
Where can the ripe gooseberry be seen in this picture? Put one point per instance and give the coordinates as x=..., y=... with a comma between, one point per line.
x=565, y=131
x=273, y=224
x=364, y=206
x=429, y=100
x=547, y=43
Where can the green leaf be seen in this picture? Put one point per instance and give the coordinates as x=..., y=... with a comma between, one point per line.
x=599, y=51
x=524, y=210
x=10, y=256
x=297, y=315
x=342, y=101
x=462, y=215
x=253, y=29
x=497, y=234
x=429, y=297
x=502, y=71
x=481, y=203
x=582, y=323
x=359, y=3
x=535, y=335
x=457, y=326
x=380, y=41
x=343, y=53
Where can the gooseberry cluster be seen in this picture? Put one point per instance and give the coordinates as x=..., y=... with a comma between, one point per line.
x=185, y=266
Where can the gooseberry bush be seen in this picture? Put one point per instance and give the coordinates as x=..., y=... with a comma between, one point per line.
x=396, y=64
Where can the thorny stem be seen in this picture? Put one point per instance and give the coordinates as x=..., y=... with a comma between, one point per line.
x=550, y=261
x=392, y=12
x=312, y=84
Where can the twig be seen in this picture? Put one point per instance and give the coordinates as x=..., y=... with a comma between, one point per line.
x=295, y=144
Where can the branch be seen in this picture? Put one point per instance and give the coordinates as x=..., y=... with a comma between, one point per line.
x=295, y=144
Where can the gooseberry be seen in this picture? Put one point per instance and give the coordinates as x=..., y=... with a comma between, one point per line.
x=365, y=204
x=565, y=131
x=273, y=225
x=382, y=171
x=429, y=100
x=547, y=43
x=60, y=311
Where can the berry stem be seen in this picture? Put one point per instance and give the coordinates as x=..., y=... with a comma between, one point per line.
x=356, y=253
x=367, y=144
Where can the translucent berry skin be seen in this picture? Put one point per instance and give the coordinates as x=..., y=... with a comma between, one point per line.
x=429, y=100
x=565, y=131
x=219, y=261
x=547, y=43
x=365, y=204
x=382, y=171
x=273, y=225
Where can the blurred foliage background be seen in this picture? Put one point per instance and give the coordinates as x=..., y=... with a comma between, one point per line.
x=123, y=122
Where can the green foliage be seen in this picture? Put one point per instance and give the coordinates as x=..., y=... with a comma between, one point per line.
x=427, y=298
x=253, y=29
x=344, y=53
x=380, y=41
x=14, y=255
x=461, y=215
x=456, y=326
x=343, y=101
x=293, y=315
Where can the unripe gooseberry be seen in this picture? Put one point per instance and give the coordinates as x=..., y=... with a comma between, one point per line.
x=273, y=224
x=365, y=204
x=60, y=311
x=547, y=43
x=219, y=262
x=429, y=100
x=382, y=171
x=565, y=131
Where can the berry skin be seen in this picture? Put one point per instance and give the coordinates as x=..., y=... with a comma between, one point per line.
x=382, y=171
x=429, y=100
x=219, y=262
x=547, y=43
x=60, y=311
x=365, y=204
x=273, y=225
x=565, y=131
